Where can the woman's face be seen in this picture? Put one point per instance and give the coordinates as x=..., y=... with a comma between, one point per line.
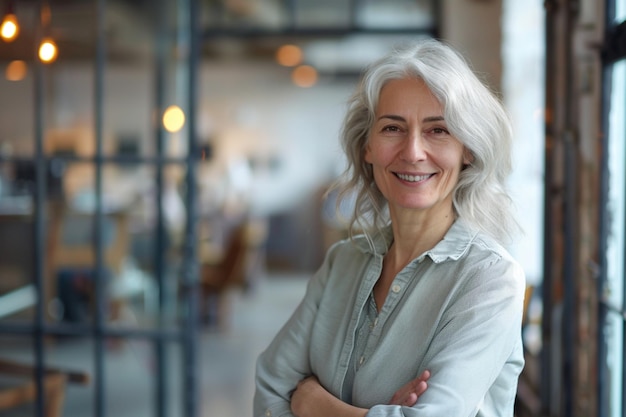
x=415, y=160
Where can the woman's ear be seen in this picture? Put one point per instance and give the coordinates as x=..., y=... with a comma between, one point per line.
x=367, y=154
x=468, y=157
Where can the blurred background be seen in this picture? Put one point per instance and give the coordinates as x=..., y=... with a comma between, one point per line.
x=163, y=168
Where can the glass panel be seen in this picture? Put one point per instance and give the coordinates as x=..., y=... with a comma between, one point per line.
x=134, y=288
x=72, y=357
x=130, y=367
x=322, y=13
x=17, y=294
x=128, y=120
x=129, y=193
x=523, y=87
x=616, y=207
x=396, y=14
x=174, y=362
x=319, y=14
x=260, y=14
x=17, y=129
x=620, y=11
x=130, y=379
x=75, y=355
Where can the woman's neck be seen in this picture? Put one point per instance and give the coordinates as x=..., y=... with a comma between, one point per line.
x=412, y=237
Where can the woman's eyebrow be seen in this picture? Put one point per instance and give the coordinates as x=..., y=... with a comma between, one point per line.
x=392, y=117
x=429, y=119
x=434, y=119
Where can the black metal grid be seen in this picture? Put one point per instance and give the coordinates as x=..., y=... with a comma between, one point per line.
x=98, y=330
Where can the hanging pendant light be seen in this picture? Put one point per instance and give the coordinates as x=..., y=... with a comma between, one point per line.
x=48, y=51
x=10, y=27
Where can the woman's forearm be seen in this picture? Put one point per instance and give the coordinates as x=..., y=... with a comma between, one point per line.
x=310, y=399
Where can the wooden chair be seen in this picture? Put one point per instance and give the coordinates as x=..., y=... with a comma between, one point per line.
x=19, y=386
x=17, y=289
x=80, y=253
x=54, y=382
x=17, y=292
x=236, y=268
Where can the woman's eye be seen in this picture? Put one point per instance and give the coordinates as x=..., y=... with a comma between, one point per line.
x=439, y=131
x=391, y=129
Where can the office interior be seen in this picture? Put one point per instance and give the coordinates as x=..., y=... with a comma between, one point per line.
x=163, y=168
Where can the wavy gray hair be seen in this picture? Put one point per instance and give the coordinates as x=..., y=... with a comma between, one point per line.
x=474, y=115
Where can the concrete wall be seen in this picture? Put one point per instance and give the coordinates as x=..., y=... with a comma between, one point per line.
x=474, y=28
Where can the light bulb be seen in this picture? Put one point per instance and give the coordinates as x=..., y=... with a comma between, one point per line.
x=10, y=28
x=48, y=51
x=173, y=119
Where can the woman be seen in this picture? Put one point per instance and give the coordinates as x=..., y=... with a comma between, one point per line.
x=427, y=289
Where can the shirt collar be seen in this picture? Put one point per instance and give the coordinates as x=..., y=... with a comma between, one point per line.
x=453, y=245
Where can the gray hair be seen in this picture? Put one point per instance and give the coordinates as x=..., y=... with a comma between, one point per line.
x=473, y=114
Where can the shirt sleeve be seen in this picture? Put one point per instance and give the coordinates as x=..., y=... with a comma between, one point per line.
x=286, y=361
x=472, y=357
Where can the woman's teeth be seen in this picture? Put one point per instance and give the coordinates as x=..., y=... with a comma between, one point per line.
x=413, y=178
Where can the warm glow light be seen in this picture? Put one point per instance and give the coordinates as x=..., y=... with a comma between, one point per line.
x=10, y=28
x=289, y=55
x=48, y=51
x=16, y=71
x=304, y=76
x=173, y=119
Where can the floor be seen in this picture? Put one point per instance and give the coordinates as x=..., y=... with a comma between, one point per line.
x=227, y=360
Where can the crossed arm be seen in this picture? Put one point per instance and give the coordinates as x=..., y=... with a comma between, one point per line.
x=310, y=399
x=476, y=349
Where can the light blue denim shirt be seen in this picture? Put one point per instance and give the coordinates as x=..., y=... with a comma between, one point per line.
x=456, y=310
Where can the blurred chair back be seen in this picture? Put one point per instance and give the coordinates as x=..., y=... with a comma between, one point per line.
x=72, y=246
x=72, y=234
x=237, y=268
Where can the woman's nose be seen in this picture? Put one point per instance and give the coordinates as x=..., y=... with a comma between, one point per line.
x=414, y=148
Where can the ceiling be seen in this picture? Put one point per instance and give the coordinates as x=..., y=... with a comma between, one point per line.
x=334, y=35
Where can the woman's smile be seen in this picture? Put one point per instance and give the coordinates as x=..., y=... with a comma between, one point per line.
x=414, y=178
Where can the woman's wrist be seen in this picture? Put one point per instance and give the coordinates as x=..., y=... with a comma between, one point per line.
x=310, y=399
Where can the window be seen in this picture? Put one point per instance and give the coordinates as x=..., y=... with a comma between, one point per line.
x=612, y=284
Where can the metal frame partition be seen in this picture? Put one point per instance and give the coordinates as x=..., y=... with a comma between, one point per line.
x=98, y=330
x=560, y=196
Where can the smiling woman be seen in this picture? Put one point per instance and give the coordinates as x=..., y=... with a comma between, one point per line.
x=421, y=314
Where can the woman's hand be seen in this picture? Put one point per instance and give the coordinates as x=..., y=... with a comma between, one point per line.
x=408, y=394
x=307, y=393
x=310, y=399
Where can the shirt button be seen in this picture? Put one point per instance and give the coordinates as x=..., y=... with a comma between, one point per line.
x=268, y=413
x=375, y=321
x=361, y=359
x=396, y=288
